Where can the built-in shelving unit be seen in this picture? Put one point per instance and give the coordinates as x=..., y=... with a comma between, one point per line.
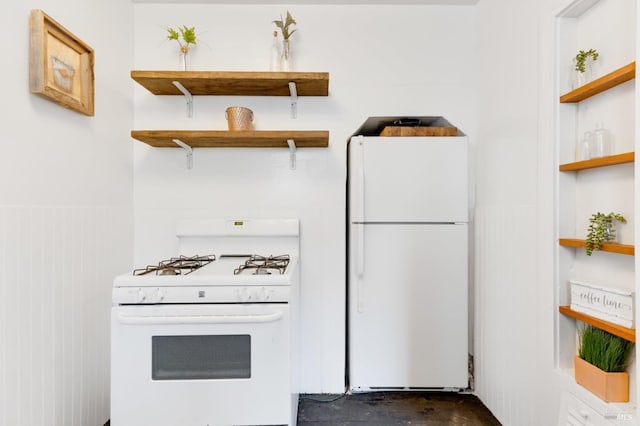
x=609, y=247
x=233, y=83
x=607, y=183
x=618, y=330
x=590, y=89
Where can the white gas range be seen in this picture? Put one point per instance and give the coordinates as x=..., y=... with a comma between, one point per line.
x=209, y=337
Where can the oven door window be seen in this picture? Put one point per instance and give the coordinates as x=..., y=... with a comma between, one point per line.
x=201, y=357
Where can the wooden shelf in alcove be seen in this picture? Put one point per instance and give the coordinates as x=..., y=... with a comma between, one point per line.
x=610, y=160
x=233, y=139
x=608, y=247
x=599, y=85
x=618, y=330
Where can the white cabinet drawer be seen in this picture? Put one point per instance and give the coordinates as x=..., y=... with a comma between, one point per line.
x=574, y=412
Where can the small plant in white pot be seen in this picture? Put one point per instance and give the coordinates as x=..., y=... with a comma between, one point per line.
x=582, y=66
x=602, y=228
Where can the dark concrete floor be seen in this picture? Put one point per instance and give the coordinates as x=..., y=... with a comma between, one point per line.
x=394, y=408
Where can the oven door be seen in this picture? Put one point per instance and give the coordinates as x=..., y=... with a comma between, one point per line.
x=201, y=365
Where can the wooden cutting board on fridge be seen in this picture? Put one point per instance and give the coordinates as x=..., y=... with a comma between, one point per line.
x=419, y=131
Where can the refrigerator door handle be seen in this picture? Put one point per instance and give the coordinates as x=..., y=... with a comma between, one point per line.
x=360, y=251
x=360, y=267
x=360, y=227
x=360, y=295
x=360, y=211
x=360, y=183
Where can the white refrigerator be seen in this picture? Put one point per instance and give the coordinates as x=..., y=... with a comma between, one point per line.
x=407, y=261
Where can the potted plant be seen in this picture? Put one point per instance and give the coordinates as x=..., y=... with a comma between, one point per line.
x=601, y=228
x=284, y=25
x=582, y=71
x=601, y=363
x=188, y=36
x=581, y=59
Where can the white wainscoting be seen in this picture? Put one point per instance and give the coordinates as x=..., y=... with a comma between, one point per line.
x=56, y=269
x=506, y=299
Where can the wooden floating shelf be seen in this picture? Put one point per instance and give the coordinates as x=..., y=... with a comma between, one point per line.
x=618, y=330
x=599, y=85
x=609, y=247
x=610, y=160
x=234, y=83
x=233, y=139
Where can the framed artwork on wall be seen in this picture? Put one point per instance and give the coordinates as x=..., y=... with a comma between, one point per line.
x=60, y=64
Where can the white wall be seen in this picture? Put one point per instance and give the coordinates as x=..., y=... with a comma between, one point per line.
x=382, y=60
x=67, y=183
x=516, y=374
x=65, y=221
x=514, y=222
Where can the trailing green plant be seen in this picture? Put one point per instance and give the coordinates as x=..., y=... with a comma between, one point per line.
x=606, y=351
x=284, y=25
x=582, y=56
x=187, y=34
x=601, y=229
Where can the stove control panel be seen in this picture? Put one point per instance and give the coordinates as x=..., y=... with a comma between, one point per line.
x=214, y=294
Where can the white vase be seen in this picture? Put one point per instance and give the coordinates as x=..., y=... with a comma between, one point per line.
x=581, y=78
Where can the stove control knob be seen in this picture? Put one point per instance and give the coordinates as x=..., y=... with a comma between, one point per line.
x=263, y=294
x=142, y=296
x=160, y=293
x=246, y=296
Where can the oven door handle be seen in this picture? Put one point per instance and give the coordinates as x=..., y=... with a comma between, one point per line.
x=199, y=319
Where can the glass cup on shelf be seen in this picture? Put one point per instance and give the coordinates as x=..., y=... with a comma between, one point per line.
x=585, y=147
x=601, y=146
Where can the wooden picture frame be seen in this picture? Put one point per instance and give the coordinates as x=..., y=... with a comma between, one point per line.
x=60, y=64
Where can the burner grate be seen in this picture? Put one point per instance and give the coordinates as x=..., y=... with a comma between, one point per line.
x=264, y=265
x=182, y=265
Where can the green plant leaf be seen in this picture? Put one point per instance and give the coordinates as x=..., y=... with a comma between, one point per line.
x=582, y=56
x=606, y=351
x=284, y=25
x=289, y=20
x=597, y=230
x=173, y=34
x=188, y=34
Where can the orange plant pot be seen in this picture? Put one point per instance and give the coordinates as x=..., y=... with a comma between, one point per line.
x=610, y=387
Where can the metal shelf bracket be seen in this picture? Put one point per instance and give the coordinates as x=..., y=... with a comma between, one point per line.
x=292, y=153
x=187, y=95
x=189, y=151
x=293, y=90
